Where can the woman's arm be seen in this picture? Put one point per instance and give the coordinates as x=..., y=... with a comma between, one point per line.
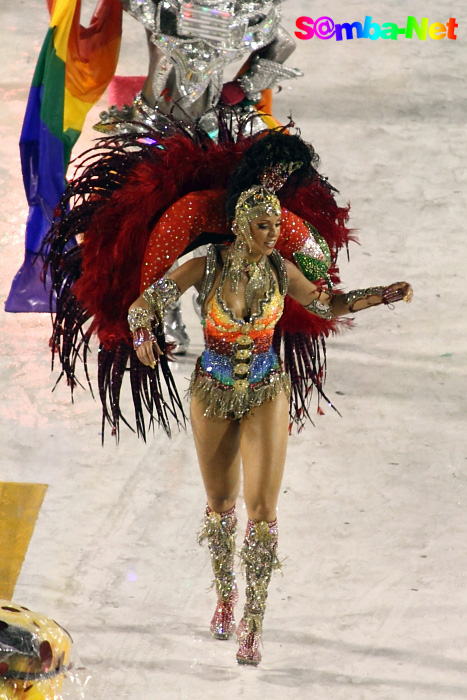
x=327, y=305
x=151, y=304
x=315, y=299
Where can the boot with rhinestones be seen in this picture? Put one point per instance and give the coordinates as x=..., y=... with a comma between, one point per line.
x=259, y=558
x=219, y=530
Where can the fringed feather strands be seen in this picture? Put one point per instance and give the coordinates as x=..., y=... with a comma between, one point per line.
x=304, y=359
x=115, y=214
x=153, y=391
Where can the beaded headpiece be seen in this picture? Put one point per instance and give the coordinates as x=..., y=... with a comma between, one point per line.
x=275, y=176
x=254, y=202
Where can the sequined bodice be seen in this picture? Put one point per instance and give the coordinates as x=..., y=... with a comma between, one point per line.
x=239, y=353
x=239, y=368
x=223, y=330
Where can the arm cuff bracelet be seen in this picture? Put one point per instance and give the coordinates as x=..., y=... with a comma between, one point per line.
x=320, y=308
x=140, y=318
x=160, y=295
x=356, y=294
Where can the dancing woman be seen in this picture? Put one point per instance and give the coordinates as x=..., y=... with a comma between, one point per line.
x=267, y=296
x=239, y=390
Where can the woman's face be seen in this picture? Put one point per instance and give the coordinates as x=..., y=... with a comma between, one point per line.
x=264, y=231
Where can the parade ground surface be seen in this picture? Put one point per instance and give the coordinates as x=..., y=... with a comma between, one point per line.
x=372, y=601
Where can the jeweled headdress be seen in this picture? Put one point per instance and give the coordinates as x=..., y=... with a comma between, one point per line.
x=275, y=176
x=254, y=202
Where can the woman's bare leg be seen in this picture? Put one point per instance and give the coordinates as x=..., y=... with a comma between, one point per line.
x=217, y=444
x=263, y=447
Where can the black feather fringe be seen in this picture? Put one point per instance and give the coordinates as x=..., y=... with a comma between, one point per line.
x=304, y=359
x=153, y=390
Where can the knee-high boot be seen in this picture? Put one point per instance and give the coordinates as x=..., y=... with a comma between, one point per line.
x=220, y=529
x=259, y=558
x=175, y=329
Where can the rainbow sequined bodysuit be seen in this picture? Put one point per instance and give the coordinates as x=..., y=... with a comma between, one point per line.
x=238, y=368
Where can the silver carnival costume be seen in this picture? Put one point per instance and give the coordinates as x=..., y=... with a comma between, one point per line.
x=190, y=45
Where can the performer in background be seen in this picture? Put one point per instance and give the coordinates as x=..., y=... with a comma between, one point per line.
x=190, y=46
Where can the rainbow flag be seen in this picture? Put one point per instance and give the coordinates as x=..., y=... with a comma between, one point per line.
x=74, y=68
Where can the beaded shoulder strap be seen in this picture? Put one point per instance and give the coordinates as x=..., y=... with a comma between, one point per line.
x=279, y=266
x=209, y=274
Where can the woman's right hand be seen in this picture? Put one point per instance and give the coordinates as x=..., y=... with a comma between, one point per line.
x=148, y=353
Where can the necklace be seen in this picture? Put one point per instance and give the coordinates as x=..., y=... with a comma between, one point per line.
x=259, y=274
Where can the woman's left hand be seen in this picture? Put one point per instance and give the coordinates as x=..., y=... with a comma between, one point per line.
x=398, y=291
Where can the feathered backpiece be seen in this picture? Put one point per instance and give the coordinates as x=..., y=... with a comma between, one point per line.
x=121, y=190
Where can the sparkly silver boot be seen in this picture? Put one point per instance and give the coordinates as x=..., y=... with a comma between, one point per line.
x=259, y=557
x=175, y=329
x=220, y=529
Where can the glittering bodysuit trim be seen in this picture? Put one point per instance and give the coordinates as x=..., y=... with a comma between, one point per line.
x=239, y=368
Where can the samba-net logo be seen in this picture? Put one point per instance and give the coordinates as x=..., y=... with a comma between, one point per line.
x=325, y=28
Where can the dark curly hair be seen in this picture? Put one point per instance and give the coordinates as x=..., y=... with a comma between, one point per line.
x=265, y=152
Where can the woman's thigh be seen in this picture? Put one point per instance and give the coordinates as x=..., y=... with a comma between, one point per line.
x=263, y=447
x=217, y=444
